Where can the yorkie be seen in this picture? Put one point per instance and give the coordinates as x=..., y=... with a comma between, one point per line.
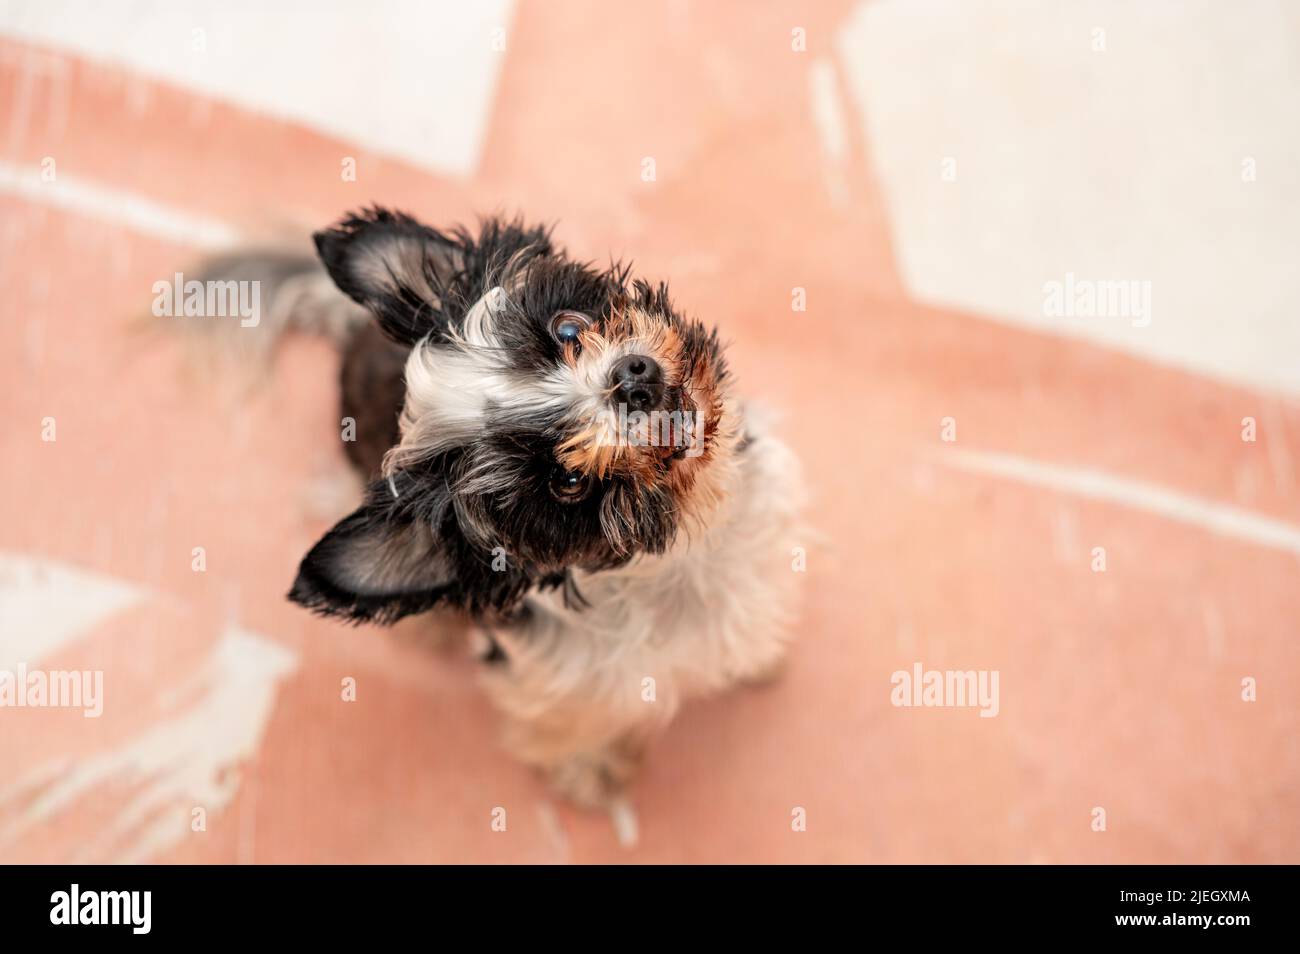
x=555, y=450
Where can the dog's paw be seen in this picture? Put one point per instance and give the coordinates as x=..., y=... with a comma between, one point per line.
x=591, y=780
x=598, y=783
x=766, y=675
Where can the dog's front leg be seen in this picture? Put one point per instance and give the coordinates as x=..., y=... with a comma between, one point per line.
x=587, y=744
x=588, y=754
x=593, y=777
x=597, y=778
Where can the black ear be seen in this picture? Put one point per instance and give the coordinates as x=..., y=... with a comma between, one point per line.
x=378, y=564
x=397, y=267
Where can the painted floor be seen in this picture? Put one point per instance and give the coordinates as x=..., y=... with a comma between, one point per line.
x=1108, y=520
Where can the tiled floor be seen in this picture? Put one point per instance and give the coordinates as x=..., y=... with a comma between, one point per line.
x=1119, y=689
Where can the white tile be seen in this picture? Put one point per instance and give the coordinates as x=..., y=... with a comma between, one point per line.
x=1124, y=164
x=405, y=78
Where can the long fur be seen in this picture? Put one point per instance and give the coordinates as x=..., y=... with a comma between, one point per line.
x=664, y=575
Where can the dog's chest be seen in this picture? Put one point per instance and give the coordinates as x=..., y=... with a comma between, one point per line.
x=713, y=610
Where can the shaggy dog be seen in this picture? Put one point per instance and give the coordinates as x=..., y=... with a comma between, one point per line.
x=555, y=450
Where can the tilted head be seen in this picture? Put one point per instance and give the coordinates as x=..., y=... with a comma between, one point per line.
x=557, y=418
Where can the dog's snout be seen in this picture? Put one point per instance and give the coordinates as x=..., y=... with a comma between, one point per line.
x=638, y=382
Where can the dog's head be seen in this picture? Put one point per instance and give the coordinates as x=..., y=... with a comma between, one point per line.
x=557, y=418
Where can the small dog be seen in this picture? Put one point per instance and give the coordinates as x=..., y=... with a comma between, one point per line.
x=556, y=451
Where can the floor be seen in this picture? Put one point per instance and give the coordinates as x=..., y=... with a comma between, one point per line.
x=1101, y=508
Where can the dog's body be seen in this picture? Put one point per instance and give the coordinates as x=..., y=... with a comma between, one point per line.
x=614, y=575
x=585, y=687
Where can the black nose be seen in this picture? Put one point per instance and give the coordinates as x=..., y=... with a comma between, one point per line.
x=638, y=382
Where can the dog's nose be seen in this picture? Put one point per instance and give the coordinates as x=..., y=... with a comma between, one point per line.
x=638, y=382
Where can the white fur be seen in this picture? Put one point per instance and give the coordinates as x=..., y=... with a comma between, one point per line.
x=451, y=385
x=712, y=612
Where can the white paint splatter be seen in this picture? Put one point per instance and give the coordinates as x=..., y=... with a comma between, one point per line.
x=829, y=115
x=626, y=828
x=554, y=831
x=189, y=760
x=47, y=604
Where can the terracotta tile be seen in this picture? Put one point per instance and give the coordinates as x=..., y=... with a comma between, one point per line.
x=1118, y=689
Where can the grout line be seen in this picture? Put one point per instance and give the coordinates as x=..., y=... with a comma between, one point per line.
x=1097, y=485
x=127, y=209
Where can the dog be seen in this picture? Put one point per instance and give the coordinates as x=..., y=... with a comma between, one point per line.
x=555, y=450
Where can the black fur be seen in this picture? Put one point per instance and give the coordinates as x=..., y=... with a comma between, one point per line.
x=372, y=390
x=425, y=538
x=462, y=574
x=454, y=265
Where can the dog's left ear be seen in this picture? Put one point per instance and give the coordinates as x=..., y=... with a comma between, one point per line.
x=377, y=565
x=395, y=266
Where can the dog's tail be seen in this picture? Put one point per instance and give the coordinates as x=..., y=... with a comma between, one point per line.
x=294, y=293
x=271, y=294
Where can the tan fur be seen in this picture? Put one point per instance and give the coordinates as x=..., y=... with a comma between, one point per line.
x=589, y=448
x=711, y=613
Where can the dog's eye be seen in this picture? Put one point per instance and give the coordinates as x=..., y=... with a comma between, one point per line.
x=570, y=486
x=566, y=326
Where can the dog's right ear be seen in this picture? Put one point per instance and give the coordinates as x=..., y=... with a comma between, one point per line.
x=393, y=265
x=378, y=564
